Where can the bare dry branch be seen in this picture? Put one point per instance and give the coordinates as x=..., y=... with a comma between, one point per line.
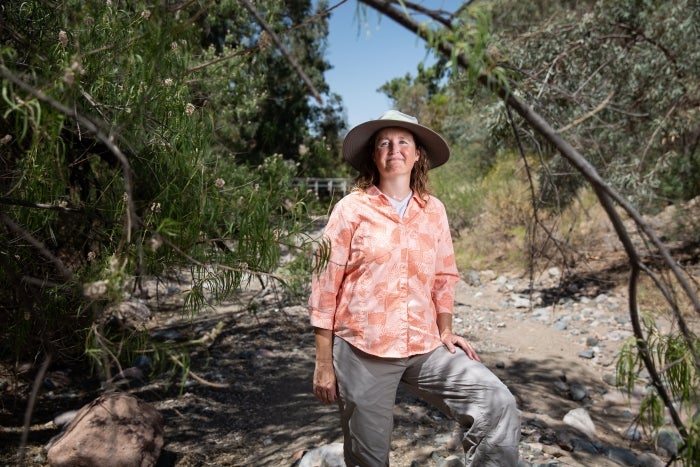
x=30, y=204
x=587, y=115
x=36, y=386
x=107, y=139
x=606, y=195
x=40, y=247
x=284, y=50
x=223, y=58
x=196, y=377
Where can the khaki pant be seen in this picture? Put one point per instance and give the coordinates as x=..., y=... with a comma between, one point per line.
x=463, y=389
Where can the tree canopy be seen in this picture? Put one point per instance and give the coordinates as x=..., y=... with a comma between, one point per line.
x=140, y=139
x=556, y=95
x=619, y=81
x=143, y=138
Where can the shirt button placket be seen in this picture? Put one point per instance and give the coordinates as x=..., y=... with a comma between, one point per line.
x=403, y=286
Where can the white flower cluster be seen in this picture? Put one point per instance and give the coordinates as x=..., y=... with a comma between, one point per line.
x=95, y=290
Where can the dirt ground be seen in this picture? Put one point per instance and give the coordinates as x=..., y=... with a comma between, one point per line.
x=248, y=400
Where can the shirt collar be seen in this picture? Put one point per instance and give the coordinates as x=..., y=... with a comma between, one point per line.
x=374, y=191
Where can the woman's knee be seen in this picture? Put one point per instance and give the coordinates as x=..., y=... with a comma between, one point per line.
x=492, y=405
x=503, y=402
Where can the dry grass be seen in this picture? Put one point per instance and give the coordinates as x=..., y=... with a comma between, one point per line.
x=580, y=239
x=510, y=235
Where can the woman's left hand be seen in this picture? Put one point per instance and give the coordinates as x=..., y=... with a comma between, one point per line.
x=452, y=341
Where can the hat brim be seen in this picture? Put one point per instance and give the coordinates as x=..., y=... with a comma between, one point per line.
x=356, y=145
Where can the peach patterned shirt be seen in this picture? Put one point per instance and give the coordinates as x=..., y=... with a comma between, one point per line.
x=387, y=277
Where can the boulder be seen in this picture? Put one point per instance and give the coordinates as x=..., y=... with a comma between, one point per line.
x=328, y=455
x=114, y=430
x=580, y=420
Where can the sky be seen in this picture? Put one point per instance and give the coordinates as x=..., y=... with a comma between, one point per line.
x=366, y=54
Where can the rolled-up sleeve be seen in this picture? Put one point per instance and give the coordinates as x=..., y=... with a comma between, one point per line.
x=387, y=277
x=446, y=273
x=326, y=283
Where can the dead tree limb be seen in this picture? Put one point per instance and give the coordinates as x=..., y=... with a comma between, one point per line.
x=261, y=21
x=63, y=270
x=607, y=197
x=132, y=220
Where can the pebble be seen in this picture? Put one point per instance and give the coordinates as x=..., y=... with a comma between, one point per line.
x=577, y=392
x=598, y=325
x=580, y=420
x=669, y=441
x=595, y=323
x=633, y=434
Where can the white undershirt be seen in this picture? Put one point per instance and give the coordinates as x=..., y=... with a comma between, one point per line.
x=401, y=206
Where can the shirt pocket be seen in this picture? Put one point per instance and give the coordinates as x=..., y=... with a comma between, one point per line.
x=422, y=256
x=371, y=248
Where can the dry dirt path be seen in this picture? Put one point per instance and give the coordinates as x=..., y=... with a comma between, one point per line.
x=248, y=401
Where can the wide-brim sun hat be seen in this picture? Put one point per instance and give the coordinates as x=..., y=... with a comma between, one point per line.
x=356, y=145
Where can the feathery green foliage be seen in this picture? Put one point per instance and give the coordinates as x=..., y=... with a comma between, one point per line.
x=127, y=154
x=616, y=80
x=679, y=374
x=619, y=81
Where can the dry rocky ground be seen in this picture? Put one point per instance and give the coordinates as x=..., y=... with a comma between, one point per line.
x=248, y=400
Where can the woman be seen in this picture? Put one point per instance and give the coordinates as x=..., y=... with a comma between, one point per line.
x=382, y=307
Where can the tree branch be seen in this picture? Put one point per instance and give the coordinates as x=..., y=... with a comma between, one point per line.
x=132, y=218
x=588, y=115
x=284, y=50
x=606, y=195
x=43, y=251
x=30, y=204
x=250, y=50
x=33, y=397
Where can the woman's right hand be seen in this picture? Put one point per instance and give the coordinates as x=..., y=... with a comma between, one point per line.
x=324, y=382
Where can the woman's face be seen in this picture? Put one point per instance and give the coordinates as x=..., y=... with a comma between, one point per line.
x=395, y=152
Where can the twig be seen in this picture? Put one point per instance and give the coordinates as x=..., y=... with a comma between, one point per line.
x=551, y=67
x=62, y=269
x=223, y=59
x=38, y=381
x=653, y=135
x=435, y=15
x=40, y=282
x=595, y=72
x=588, y=115
x=284, y=50
x=30, y=204
x=196, y=377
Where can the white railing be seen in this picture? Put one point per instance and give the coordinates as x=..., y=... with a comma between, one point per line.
x=326, y=186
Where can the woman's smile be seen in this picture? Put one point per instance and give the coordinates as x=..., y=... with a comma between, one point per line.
x=395, y=151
